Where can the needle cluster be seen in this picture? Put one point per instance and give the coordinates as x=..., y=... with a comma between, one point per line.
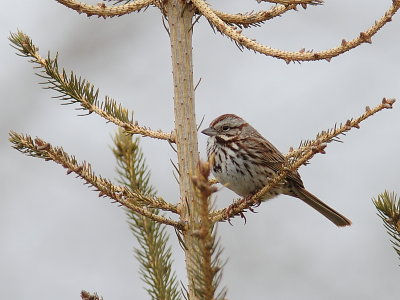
x=388, y=206
x=152, y=252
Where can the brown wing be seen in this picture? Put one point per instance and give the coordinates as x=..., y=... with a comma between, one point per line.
x=264, y=151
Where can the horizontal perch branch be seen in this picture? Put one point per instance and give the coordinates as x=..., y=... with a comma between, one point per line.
x=332, y=134
x=304, y=155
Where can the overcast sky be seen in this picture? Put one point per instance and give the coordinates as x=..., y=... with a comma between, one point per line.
x=58, y=237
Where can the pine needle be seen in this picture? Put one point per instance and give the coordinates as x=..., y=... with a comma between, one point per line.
x=388, y=206
x=153, y=253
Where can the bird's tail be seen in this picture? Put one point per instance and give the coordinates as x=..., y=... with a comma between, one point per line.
x=321, y=207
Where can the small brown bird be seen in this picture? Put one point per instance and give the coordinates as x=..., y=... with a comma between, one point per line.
x=244, y=161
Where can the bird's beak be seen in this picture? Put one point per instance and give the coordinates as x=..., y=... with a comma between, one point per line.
x=210, y=131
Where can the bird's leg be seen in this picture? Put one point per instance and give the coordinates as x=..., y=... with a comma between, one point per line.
x=247, y=201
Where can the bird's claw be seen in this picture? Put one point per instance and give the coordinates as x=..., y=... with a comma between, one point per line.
x=252, y=209
x=246, y=200
x=228, y=214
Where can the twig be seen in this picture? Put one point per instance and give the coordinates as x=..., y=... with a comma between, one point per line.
x=78, y=90
x=240, y=39
x=253, y=19
x=102, y=10
x=388, y=206
x=87, y=296
x=121, y=194
x=294, y=2
x=332, y=134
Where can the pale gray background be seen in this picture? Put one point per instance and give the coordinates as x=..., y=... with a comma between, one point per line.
x=58, y=237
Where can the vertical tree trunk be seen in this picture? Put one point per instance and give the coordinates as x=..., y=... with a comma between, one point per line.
x=180, y=17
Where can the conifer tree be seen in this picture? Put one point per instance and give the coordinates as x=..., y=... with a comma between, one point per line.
x=193, y=218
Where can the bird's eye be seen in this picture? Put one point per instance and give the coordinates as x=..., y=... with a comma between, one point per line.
x=225, y=128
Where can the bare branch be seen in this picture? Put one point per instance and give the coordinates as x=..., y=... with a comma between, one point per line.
x=253, y=19
x=241, y=40
x=102, y=10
